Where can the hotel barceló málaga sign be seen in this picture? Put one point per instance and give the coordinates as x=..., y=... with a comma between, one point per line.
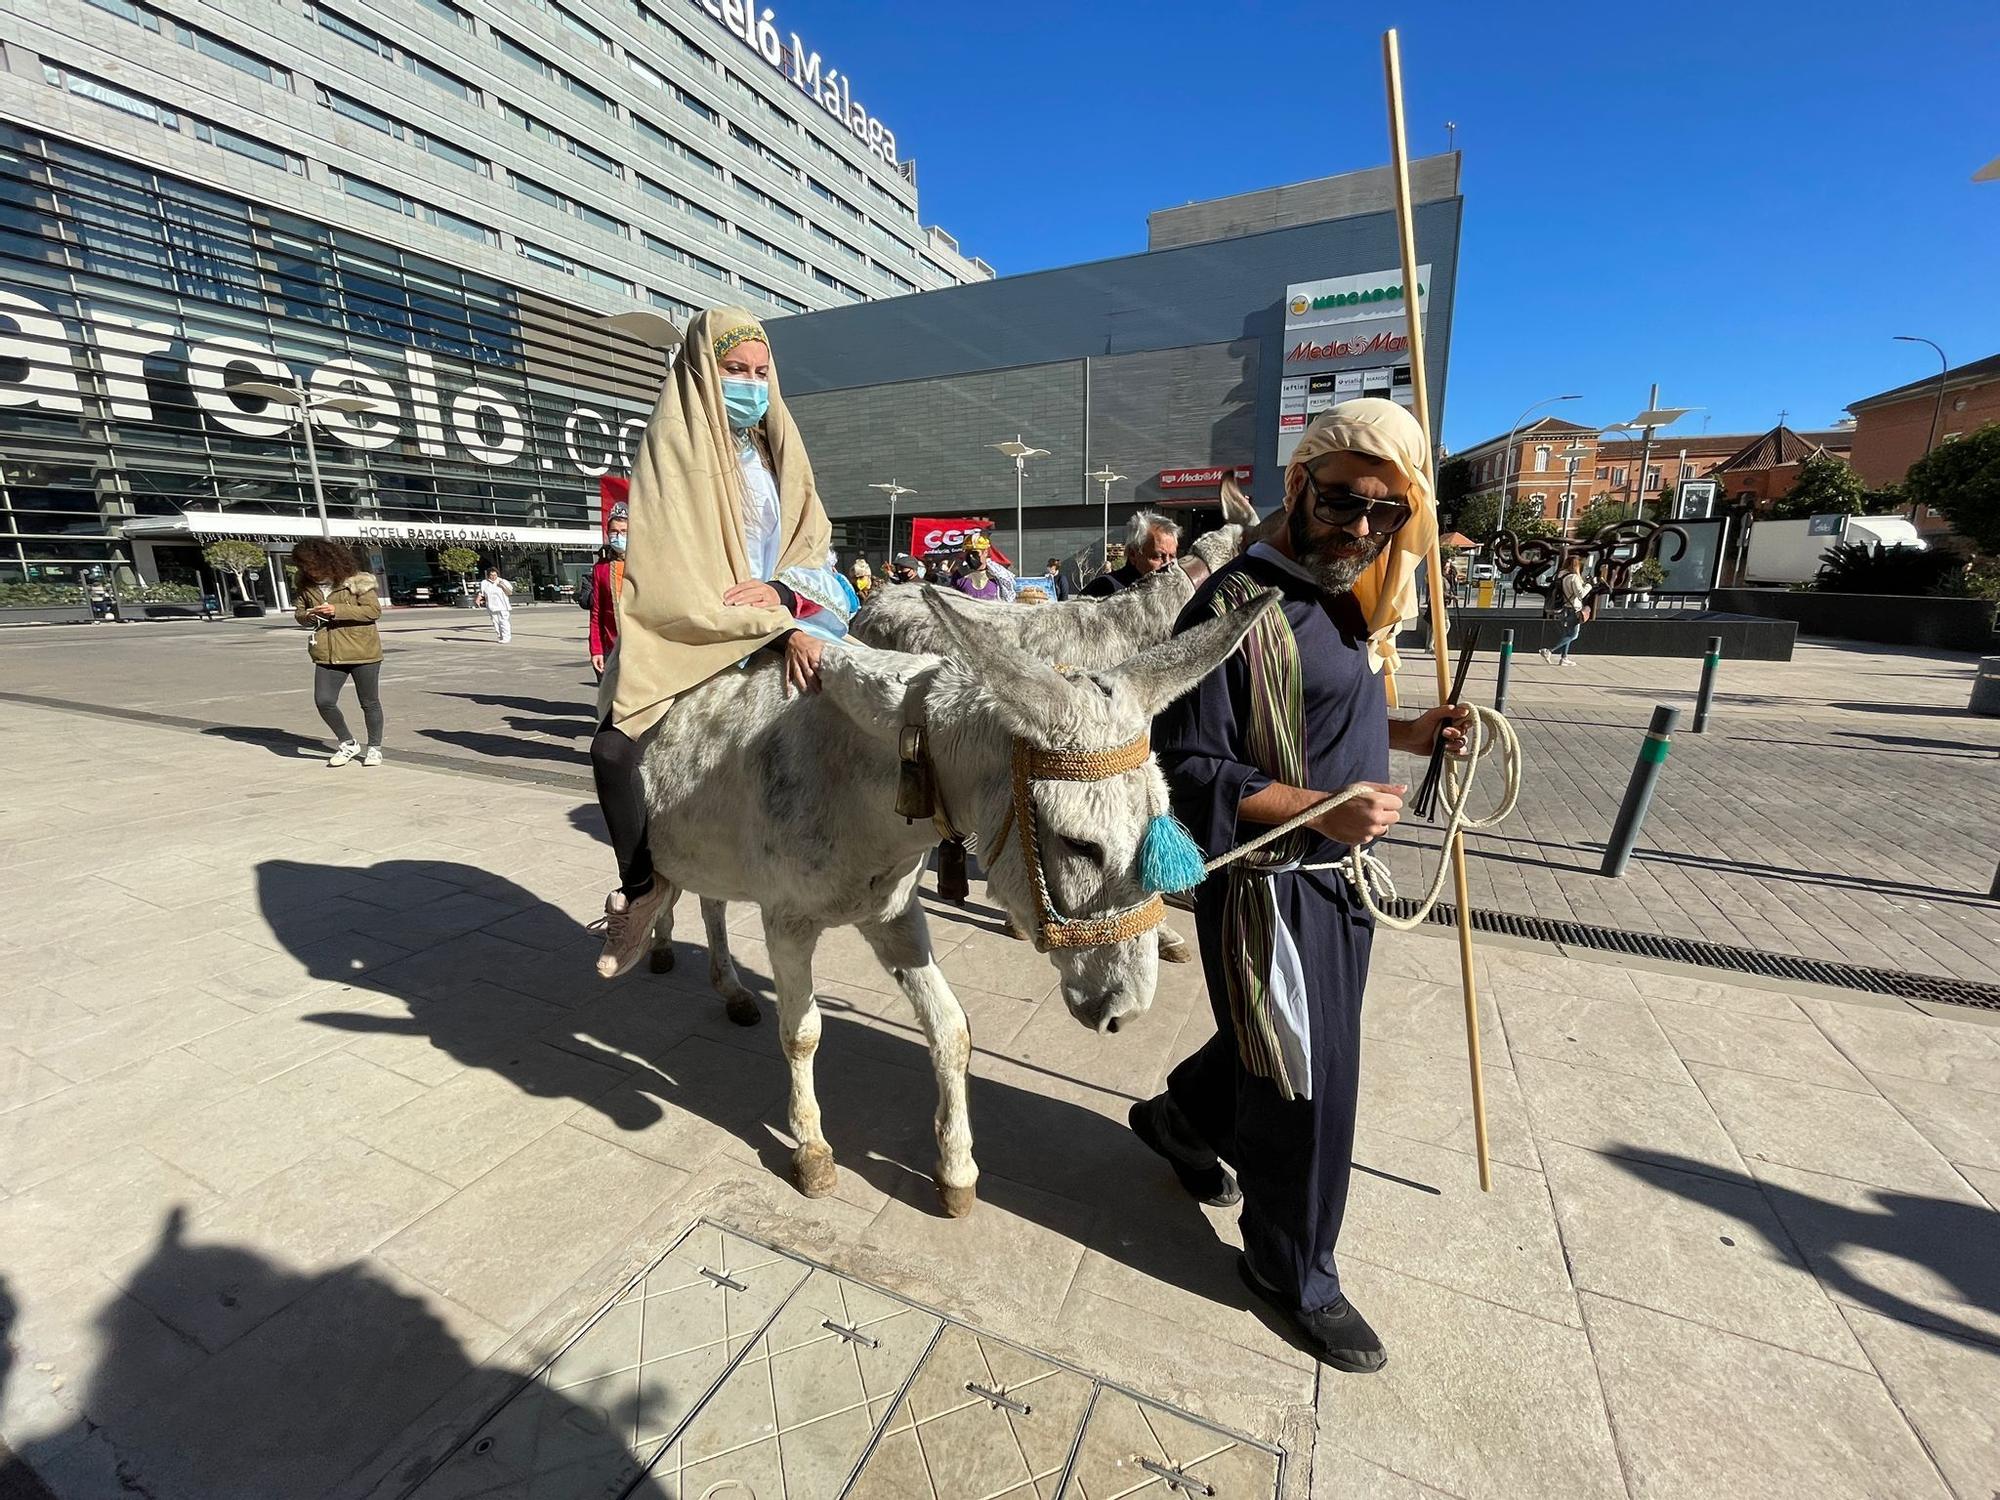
x=38, y=368
x=827, y=87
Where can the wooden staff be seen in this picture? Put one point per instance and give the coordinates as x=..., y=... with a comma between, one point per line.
x=1399, y=160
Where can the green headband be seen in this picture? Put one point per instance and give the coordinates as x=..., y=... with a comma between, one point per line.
x=742, y=333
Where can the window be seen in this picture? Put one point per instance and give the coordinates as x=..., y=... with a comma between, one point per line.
x=776, y=299
x=389, y=125
x=254, y=147
x=674, y=200
x=444, y=10
x=588, y=94
x=695, y=106
x=100, y=92
x=1541, y=458
x=646, y=75
x=437, y=77
x=840, y=246
x=382, y=47
x=375, y=193
x=536, y=191
x=1618, y=474
x=472, y=229
x=686, y=257
x=354, y=109
x=592, y=156
x=1602, y=473
x=901, y=283
x=1652, y=477
x=1567, y=508
x=765, y=201
x=606, y=280
x=598, y=219
x=1538, y=504
x=543, y=257
x=210, y=45
x=825, y=278
x=673, y=305
x=776, y=252
x=125, y=10
x=570, y=21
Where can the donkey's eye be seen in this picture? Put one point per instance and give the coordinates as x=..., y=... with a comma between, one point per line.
x=1084, y=849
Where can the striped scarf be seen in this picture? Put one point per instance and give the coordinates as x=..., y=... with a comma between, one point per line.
x=1276, y=741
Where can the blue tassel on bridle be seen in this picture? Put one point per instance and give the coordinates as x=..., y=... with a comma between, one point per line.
x=1169, y=858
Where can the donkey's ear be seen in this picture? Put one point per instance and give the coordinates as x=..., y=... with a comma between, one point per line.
x=1034, y=699
x=1160, y=674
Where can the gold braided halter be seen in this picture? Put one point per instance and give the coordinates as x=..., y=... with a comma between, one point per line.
x=1032, y=764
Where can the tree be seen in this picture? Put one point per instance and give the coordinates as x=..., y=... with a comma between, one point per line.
x=1825, y=486
x=235, y=559
x=1599, y=514
x=458, y=561
x=1961, y=480
x=1479, y=518
x=1454, y=487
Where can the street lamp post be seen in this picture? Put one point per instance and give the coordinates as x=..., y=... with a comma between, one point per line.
x=1020, y=452
x=895, y=492
x=294, y=393
x=1105, y=477
x=1572, y=456
x=1944, y=370
x=1649, y=421
x=1507, y=459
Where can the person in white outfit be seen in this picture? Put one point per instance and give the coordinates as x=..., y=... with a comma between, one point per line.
x=497, y=594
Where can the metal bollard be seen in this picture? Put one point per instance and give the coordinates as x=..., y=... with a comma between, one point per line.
x=1506, y=662
x=1639, y=791
x=1707, y=692
x=1995, y=892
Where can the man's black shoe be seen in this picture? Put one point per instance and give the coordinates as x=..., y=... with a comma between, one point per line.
x=1200, y=1171
x=1337, y=1336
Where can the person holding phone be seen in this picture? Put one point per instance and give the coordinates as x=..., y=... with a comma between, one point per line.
x=338, y=602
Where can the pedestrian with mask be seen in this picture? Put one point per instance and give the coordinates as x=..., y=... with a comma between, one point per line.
x=1298, y=713
x=497, y=594
x=727, y=557
x=339, y=604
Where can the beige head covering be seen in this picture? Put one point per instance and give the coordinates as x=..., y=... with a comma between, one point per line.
x=686, y=521
x=1387, y=592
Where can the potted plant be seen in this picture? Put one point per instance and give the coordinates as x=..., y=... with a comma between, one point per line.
x=459, y=561
x=239, y=560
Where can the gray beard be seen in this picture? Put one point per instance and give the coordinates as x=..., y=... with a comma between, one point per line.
x=1335, y=575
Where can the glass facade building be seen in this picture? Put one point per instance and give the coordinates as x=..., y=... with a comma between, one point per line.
x=427, y=207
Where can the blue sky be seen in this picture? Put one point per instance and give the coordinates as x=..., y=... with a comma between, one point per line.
x=1744, y=206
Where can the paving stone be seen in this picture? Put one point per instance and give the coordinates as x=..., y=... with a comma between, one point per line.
x=1424, y=1095
x=277, y=1040
x=1694, y=1246
x=1963, y=1123
x=1618, y=1035
x=93, y=1213
x=34, y=1010
x=116, y=1040
x=1700, y=1412
x=1339, y=1475
x=1948, y=1390
x=523, y=1232
x=1822, y=1130
x=461, y=1129
x=1426, y=1216
x=1985, y=1179
x=1928, y=1256
x=698, y=1099
x=1432, y=1017
x=23, y=1082
x=994, y=961
x=1906, y=1044
x=68, y=1129
x=1620, y=1115
x=1792, y=1049
x=1477, y=1400
x=237, y=1142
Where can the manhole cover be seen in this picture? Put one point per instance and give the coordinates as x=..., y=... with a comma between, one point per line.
x=730, y=1370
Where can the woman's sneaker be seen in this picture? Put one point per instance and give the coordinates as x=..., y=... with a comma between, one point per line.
x=373, y=757
x=1546, y=654
x=344, y=754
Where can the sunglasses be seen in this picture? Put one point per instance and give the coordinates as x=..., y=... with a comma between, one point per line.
x=1340, y=506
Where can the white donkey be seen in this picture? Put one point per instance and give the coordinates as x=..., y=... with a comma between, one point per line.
x=753, y=797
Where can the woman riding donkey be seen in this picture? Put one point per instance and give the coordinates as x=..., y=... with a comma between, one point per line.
x=727, y=557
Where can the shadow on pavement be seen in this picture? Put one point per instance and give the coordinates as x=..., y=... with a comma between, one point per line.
x=529, y=705
x=302, y=1379
x=1042, y=1157
x=1956, y=1245
x=505, y=746
x=281, y=742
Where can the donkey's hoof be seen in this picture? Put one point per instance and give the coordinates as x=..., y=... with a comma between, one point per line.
x=743, y=1010
x=957, y=1201
x=662, y=961
x=813, y=1170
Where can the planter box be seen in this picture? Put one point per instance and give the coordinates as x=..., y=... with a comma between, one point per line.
x=45, y=614
x=1637, y=632
x=1889, y=619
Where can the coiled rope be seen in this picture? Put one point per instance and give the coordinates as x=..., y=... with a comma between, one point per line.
x=1487, y=730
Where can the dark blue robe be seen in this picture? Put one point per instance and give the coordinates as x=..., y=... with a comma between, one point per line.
x=1291, y=1156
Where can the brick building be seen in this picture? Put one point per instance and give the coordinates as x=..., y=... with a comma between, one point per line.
x=1893, y=428
x=1540, y=482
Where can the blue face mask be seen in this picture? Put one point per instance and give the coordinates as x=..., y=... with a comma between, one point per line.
x=616, y=541
x=746, y=401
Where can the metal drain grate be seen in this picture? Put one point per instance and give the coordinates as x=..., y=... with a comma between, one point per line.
x=1905, y=986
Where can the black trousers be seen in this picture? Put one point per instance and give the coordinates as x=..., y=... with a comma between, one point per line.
x=1293, y=1157
x=367, y=677
x=621, y=796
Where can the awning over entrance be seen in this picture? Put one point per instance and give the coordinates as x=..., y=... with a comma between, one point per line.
x=281, y=531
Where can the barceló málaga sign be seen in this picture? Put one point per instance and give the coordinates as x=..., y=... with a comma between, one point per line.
x=827, y=87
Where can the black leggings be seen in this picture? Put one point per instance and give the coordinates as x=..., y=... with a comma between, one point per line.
x=367, y=677
x=614, y=764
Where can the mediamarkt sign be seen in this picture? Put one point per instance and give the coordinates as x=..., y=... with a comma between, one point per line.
x=1177, y=479
x=480, y=420
x=825, y=86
